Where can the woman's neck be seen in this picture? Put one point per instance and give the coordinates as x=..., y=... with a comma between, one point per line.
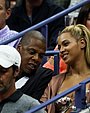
x=80, y=67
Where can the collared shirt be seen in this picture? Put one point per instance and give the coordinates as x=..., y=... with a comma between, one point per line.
x=19, y=103
x=6, y=33
x=34, y=86
x=13, y=98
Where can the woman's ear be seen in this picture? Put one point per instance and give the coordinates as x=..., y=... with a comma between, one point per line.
x=83, y=43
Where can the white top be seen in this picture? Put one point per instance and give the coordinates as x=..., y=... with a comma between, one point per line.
x=21, y=82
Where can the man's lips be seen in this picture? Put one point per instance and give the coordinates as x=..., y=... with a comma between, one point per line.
x=32, y=65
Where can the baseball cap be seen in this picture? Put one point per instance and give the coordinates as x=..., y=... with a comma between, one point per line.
x=9, y=56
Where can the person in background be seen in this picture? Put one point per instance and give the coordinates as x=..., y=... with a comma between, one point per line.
x=63, y=3
x=12, y=100
x=50, y=63
x=33, y=12
x=72, y=16
x=5, y=32
x=84, y=16
x=13, y=3
x=33, y=79
x=74, y=46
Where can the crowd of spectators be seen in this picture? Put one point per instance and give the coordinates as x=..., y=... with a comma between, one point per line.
x=26, y=78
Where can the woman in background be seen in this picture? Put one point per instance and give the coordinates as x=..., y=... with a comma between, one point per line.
x=84, y=16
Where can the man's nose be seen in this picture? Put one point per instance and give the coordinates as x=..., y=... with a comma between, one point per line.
x=36, y=57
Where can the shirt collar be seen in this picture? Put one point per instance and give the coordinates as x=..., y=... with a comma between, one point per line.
x=14, y=97
x=4, y=30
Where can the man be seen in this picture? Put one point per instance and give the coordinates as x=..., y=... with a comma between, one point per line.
x=33, y=79
x=5, y=32
x=63, y=3
x=12, y=100
x=30, y=12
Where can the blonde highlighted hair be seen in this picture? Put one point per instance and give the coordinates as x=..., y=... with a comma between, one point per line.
x=80, y=31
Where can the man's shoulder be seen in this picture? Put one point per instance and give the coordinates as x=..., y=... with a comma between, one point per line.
x=6, y=33
x=52, y=6
x=44, y=71
x=13, y=32
x=30, y=102
x=28, y=99
x=24, y=103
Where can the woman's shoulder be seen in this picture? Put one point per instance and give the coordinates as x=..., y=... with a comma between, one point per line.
x=57, y=79
x=59, y=76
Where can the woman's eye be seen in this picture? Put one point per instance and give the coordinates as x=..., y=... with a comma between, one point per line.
x=88, y=19
x=59, y=47
x=1, y=8
x=66, y=43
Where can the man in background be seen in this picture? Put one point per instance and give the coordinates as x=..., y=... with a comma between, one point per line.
x=30, y=12
x=12, y=100
x=5, y=32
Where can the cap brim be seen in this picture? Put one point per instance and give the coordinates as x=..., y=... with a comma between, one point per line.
x=4, y=63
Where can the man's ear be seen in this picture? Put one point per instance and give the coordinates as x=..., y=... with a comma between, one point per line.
x=83, y=43
x=8, y=13
x=16, y=73
x=19, y=48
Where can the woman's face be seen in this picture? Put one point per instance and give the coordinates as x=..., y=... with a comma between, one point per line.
x=88, y=22
x=70, y=49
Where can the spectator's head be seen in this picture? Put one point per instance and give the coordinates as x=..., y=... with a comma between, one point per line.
x=4, y=12
x=10, y=61
x=84, y=16
x=32, y=47
x=74, y=44
x=35, y=3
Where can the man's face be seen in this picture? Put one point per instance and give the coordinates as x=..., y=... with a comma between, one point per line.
x=4, y=14
x=35, y=3
x=31, y=55
x=6, y=79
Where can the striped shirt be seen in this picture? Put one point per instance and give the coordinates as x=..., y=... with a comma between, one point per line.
x=6, y=33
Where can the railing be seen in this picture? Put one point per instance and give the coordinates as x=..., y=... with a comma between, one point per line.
x=80, y=101
x=52, y=18
x=56, y=60
x=80, y=88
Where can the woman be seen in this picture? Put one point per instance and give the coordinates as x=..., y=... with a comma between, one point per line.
x=84, y=16
x=74, y=45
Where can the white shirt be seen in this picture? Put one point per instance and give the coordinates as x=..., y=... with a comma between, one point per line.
x=21, y=82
